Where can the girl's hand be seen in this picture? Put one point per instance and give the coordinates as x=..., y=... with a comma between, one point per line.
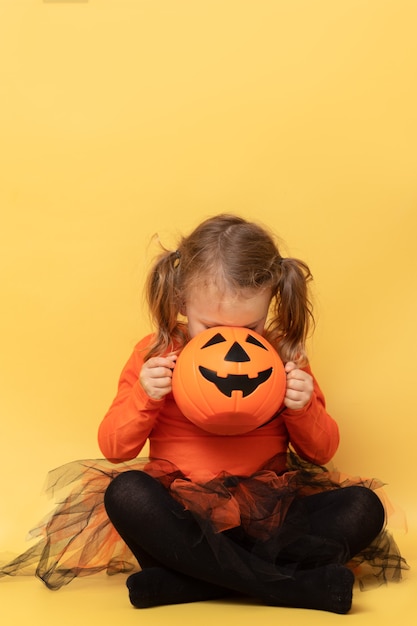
x=156, y=376
x=299, y=387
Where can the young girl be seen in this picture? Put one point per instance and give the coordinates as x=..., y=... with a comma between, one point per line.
x=207, y=516
x=295, y=530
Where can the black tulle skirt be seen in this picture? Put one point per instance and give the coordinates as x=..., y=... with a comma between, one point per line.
x=77, y=538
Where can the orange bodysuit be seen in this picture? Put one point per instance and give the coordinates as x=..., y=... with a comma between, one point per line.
x=134, y=417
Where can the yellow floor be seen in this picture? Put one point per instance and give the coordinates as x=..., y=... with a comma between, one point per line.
x=103, y=601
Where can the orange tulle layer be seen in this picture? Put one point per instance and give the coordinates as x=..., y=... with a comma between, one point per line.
x=77, y=538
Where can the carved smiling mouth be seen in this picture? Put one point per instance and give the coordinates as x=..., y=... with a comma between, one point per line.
x=235, y=382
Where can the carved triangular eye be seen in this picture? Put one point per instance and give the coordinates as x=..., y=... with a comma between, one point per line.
x=255, y=342
x=217, y=338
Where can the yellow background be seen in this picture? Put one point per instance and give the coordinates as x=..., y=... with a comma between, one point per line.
x=121, y=119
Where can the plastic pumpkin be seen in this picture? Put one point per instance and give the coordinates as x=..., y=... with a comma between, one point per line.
x=229, y=380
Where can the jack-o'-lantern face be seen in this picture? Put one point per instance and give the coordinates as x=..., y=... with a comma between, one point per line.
x=236, y=354
x=229, y=380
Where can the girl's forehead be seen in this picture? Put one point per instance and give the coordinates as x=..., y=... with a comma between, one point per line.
x=219, y=293
x=210, y=298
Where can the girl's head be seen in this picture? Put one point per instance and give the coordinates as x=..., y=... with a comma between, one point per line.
x=229, y=272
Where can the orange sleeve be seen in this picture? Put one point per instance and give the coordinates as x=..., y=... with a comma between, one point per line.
x=132, y=414
x=313, y=433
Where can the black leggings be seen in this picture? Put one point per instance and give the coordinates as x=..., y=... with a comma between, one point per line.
x=165, y=537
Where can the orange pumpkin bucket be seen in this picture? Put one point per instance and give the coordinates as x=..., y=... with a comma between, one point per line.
x=229, y=380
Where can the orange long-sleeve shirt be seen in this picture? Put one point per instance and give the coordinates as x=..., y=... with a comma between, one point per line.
x=134, y=417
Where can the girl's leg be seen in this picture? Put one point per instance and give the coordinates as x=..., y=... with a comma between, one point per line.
x=351, y=517
x=155, y=586
x=152, y=522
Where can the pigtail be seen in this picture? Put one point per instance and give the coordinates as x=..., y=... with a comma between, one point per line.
x=293, y=313
x=162, y=293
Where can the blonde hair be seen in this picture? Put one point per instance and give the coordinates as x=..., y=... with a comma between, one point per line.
x=235, y=255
